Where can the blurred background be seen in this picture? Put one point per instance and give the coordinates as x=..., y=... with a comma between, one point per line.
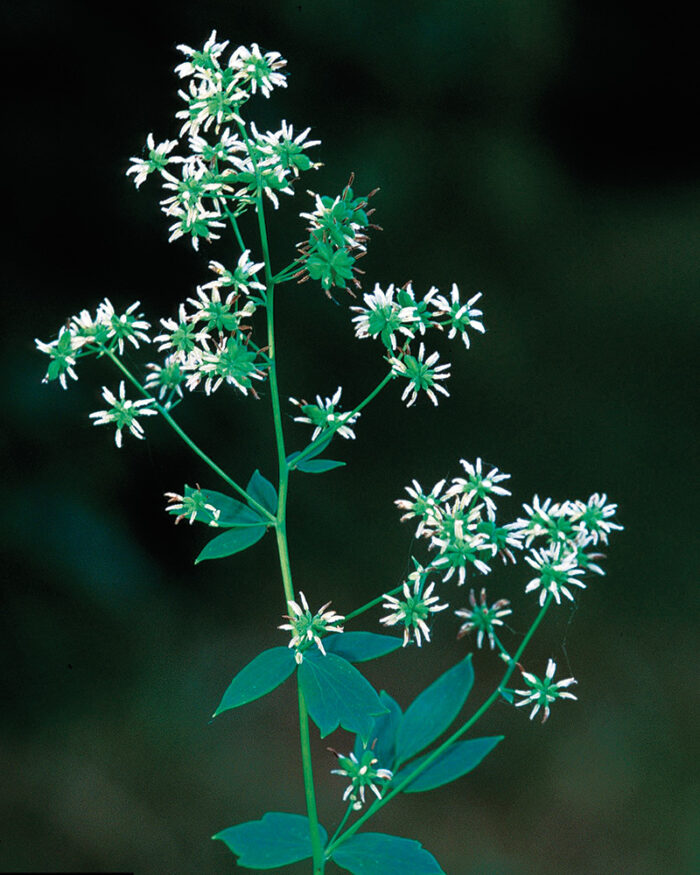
x=540, y=153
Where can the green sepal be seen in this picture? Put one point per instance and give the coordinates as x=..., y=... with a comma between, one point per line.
x=318, y=466
x=433, y=710
x=275, y=840
x=507, y=695
x=382, y=737
x=459, y=759
x=336, y=694
x=375, y=853
x=361, y=646
x=232, y=541
x=261, y=676
x=262, y=491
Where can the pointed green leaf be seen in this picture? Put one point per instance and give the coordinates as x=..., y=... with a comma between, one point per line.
x=433, y=710
x=275, y=840
x=361, y=646
x=232, y=541
x=262, y=491
x=265, y=673
x=317, y=449
x=231, y=511
x=318, y=466
x=336, y=694
x=382, y=737
x=456, y=761
x=374, y=853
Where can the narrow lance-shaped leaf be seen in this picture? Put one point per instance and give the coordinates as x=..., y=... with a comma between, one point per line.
x=336, y=694
x=318, y=466
x=459, y=759
x=275, y=840
x=433, y=710
x=374, y=853
x=262, y=675
x=230, y=542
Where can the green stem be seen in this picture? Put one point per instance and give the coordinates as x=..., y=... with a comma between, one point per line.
x=281, y=525
x=187, y=439
x=429, y=760
x=328, y=432
x=371, y=604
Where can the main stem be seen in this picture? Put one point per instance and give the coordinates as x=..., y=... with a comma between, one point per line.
x=281, y=532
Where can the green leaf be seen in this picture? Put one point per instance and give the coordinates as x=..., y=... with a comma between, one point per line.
x=361, y=646
x=231, y=542
x=433, y=710
x=232, y=512
x=456, y=761
x=318, y=447
x=336, y=694
x=382, y=737
x=265, y=673
x=318, y=466
x=374, y=853
x=262, y=491
x=275, y=840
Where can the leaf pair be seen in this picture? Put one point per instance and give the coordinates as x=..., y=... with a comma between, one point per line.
x=335, y=692
x=246, y=525
x=282, y=839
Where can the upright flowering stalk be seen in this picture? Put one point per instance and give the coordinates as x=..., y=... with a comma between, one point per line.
x=221, y=173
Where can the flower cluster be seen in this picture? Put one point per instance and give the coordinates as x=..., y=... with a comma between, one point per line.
x=324, y=415
x=568, y=530
x=362, y=773
x=397, y=317
x=307, y=628
x=191, y=506
x=482, y=617
x=123, y=413
x=337, y=239
x=460, y=521
x=86, y=334
x=226, y=161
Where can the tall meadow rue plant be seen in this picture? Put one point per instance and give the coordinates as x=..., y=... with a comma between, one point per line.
x=223, y=174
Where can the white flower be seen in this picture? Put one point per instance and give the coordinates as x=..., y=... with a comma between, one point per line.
x=591, y=519
x=123, y=413
x=307, y=628
x=62, y=352
x=202, y=59
x=478, y=485
x=556, y=571
x=257, y=70
x=158, y=159
x=543, y=692
x=460, y=316
x=362, y=773
x=125, y=327
x=384, y=317
x=241, y=279
x=414, y=609
x=182, y=337
x=421, y=375
x=192, y=505
x=426, y=506
x=323, y=415
x=482, y=617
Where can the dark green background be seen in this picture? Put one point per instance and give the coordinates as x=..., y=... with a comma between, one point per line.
x=538, y=152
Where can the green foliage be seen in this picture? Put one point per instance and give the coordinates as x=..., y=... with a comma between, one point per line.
x=275, y=840
x=361, y=646
x=336, y=694
x=262, y=675
x=374, y=853
x=453, y=763
x=318, y=466
x=262, y=491
x=383, y=733
x=231, y=542
x=231, y=511
x=433, y=710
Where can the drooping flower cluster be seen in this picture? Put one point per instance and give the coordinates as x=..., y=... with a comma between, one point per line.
x=307, y=628
x=226, y=161
x=337, y=239
x=362, y=774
